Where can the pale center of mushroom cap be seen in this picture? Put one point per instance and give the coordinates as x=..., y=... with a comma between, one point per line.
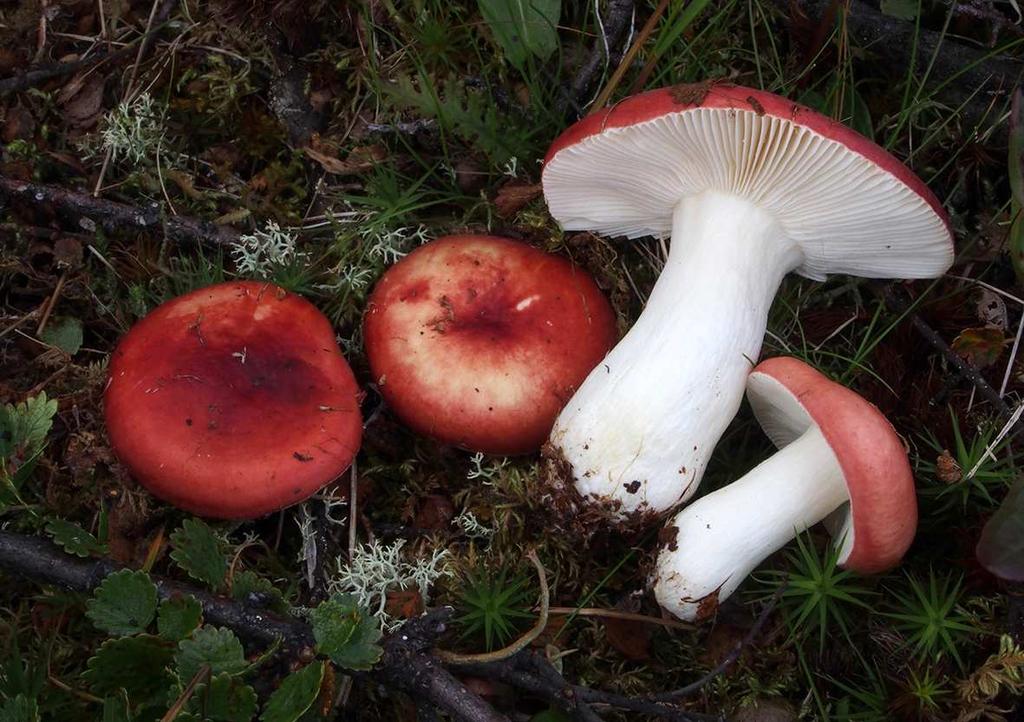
x=723, y=536
x=848, y=214
x=640, y=429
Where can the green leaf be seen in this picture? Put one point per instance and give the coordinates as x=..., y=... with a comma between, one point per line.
x=523, y=27
x=178, y=617
x=124, y=603
x=224, y=699
x=199, y=551
x=902, y=9
x=137, y=665
x=346, y=633
x=1001, y=546
x=19, y=709
x=73, y=538
x=23, y=428
x=215, y=646
x=296, y=694
x=65, y=334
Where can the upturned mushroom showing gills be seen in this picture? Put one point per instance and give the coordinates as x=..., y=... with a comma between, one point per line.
x=233, y=401
x=839, y=461
x=750, y=186
x=478, y=341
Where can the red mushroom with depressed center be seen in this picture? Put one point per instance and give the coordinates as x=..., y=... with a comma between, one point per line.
x=478, y=341
x=839, y=461
x=233, y=401
x=750, y=186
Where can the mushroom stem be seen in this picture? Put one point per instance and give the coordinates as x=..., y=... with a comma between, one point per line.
x=641, y=428
x=722, y=537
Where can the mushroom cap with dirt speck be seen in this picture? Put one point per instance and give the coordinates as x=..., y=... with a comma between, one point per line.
x=478, y=341
x=233, y=401
x=877, y=526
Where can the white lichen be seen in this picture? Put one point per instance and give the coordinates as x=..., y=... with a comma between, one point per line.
x=488, y=472
x=375, y=569
x=133, y=131
x=260, y=253
x=472, y=527
x=389, y=245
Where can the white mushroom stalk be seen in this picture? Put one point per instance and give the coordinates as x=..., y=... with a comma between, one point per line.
x=750, y=186
x=626, y=429
x=840, y=462
x=722, y=537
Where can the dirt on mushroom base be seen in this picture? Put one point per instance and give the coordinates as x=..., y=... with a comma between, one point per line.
x=590, y=516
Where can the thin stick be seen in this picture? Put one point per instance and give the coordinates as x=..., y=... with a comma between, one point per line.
x=616, y=614
x=730, y=659
x=627, y=59
x=51, y=302
x=184, y=697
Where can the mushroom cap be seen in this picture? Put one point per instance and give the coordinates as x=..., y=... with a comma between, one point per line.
x=478, y=341
x=877, y=526
x=233, y=401
x=851, y=206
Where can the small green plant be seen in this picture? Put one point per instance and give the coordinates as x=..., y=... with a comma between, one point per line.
x=23, y=430
x=978, y=475
x=492, y=606
x=921, y=697
x=818, y=594
x=930, y=617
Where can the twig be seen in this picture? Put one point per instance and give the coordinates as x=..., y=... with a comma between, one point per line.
x=84, y=212
x=730, y=659
x=51, y=302
x=520, y=644
x=617, y=614
x=183, y=698
x=964, y=368
x=627, y=59
x=620, y=15
x=40, y=74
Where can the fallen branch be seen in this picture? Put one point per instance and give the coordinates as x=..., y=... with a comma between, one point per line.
x=84, y=212
x=605, y=53
x=407, y=663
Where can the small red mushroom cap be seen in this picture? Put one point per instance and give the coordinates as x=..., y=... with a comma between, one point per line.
x=788, y=396
x=233, y=401
x=478, y=341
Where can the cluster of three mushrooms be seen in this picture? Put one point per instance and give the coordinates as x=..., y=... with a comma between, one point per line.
x=750, y=186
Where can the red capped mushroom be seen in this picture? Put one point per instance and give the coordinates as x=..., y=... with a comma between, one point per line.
x=478, y=341
x=750, y=186
x=839, y=461
x=233, y=401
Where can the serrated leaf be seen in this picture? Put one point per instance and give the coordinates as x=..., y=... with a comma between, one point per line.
x=1001, y=545
x=982, y=346
x=64, y=333
x=19, y=709
x=346, y=633
x=124, y=603
x=223, y=699
x=73, y=538
x=23, y=427
x=296, y=694
x=137, y=665
x=178, y=617
x=198, y=550
x=214, y=646
x=523, y=27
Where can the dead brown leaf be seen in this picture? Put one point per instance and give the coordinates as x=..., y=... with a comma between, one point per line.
x=84, y=101
x=19, y=124
x=982, y=346
x=514, y=196
x=631, y=638
x=360, y=160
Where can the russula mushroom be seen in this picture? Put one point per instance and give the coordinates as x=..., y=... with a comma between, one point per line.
x=750, y=186
x=478, y=341
x=839, y=461
x=233, y=401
